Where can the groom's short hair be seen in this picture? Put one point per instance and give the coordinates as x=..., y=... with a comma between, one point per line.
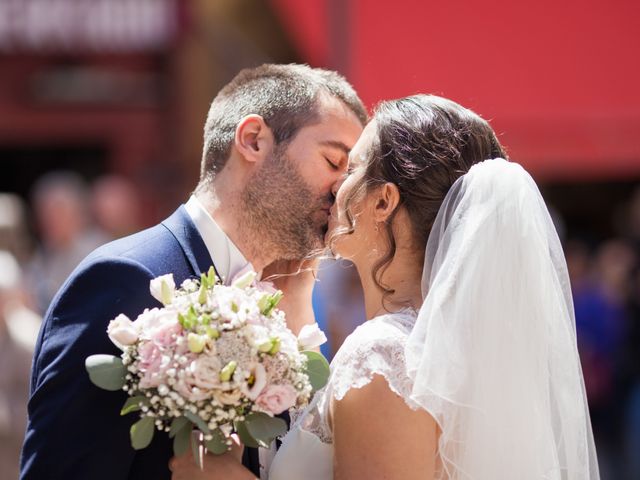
x=285, y=96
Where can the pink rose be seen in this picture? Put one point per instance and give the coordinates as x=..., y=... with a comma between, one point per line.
x=165, y=334
x=149, y=354
x=151, y=365
x=275, y=399
x=158, y=325
x=121, y=331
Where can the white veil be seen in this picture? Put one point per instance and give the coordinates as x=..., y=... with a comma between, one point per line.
x=493, y=353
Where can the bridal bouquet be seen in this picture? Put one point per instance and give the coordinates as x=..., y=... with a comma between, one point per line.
x=217, y=358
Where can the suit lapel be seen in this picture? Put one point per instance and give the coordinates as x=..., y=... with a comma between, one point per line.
x=185, y=232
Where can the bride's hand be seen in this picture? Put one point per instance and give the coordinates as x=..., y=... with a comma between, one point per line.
x=296, y=279
x=227, y=466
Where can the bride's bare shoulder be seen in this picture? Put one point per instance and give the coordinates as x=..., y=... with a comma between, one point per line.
x=377, y=435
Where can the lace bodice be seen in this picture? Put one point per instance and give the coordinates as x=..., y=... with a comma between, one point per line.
x=374, y=348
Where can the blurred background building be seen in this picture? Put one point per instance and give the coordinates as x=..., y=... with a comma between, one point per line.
x=102, y=104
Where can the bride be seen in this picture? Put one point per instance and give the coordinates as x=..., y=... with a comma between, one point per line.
x=467, y=367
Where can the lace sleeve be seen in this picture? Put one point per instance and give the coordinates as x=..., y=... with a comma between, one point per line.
x=373, y=349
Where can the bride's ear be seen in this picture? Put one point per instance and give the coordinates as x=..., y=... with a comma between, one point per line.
x=253, y=138
x=386, y=201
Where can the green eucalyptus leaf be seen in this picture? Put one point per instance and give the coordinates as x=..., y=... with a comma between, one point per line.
x=106, y=371
x=263, y=428
x=245, y=437
x=317, y=369
x=198, y=422
x=142, y=433
x=177, y=424
x=217, y=444
x=133, y=404
x=181, y=437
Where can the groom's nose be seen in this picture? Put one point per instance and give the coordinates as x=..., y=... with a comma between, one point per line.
x=335, y=187
x=338, y=183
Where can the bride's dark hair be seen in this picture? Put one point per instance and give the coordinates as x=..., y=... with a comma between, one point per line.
x=424, y=143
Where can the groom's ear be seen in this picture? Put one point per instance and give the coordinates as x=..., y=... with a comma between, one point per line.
x=253, y=138
x=387, y=198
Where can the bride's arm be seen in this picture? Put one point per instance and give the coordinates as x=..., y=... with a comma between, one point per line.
x=376, y=435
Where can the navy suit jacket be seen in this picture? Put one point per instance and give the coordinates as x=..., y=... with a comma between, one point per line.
x=75, y=430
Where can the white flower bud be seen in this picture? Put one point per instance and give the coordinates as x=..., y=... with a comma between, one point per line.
x=163, y=288
x=311, y=336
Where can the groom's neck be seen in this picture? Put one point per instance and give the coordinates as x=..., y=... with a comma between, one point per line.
x=224, y=205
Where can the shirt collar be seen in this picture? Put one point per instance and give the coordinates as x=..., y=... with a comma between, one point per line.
x=226, y=257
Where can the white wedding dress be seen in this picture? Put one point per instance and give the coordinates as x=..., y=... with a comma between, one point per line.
x=374, y=348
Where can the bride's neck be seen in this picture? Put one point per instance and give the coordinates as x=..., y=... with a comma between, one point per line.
x=403, y=276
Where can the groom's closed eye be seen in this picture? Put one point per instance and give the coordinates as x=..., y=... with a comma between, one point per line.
x=332, y=164
x=339, y=154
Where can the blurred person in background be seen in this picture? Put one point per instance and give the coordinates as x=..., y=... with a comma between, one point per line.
x=18, y=331
x=339, y=293
x=631, y=364
x=116, y=206
x=14, y=234
x=631, y=225
x=602, y=321
x=59, y=202
x=631, y=406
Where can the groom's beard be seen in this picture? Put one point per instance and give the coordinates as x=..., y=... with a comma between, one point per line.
x=282, y=213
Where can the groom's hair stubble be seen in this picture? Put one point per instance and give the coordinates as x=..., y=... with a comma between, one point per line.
x=285, y=96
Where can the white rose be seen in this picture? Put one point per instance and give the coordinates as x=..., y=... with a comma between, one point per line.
x=311, y=336
x=205, y=371
x=121, y=331
x=163, y=288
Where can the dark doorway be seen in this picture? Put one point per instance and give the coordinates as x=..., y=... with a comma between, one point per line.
x=22, y=165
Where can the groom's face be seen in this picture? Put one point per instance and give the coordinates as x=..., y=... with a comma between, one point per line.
x=295, y=189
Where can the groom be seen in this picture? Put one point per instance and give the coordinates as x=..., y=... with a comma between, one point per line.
x=276, y=141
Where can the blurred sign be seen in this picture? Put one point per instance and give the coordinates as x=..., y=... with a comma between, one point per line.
x=95, y=86
x=87, y=25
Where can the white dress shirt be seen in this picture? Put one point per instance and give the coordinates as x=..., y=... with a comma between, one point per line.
x=226, y=257
x=228, y=261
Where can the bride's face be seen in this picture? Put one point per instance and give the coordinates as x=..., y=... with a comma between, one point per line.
x=352, y=245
